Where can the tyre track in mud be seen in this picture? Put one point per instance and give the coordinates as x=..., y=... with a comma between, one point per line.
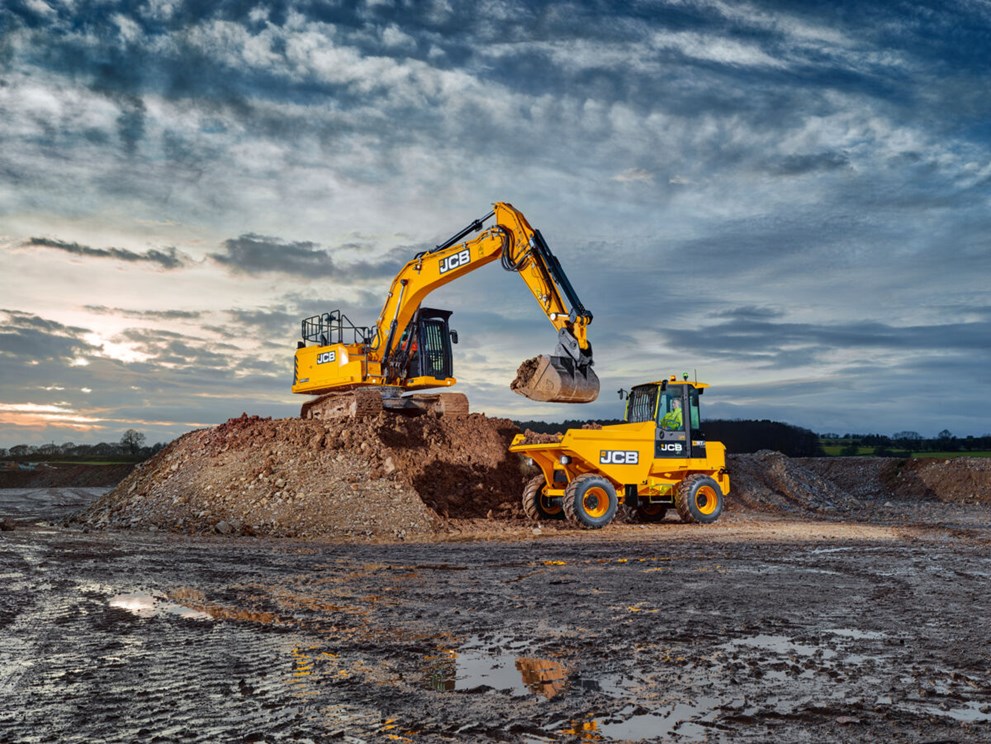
x=92, y=669
x=133, y=636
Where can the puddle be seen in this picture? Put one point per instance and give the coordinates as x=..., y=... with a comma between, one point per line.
x=470, y=669
x=479, y=664
x=674, y=722
x=859, y=635
x=501, y=663
x=781, y=645
x=153, y=604
x=971, y=712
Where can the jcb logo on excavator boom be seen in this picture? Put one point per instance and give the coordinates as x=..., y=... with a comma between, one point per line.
x=619, y=457
x=452, y=262
x=327, y=356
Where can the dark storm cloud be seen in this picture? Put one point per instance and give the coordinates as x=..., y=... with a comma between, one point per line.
x=795, y=165
x=31, y=338
x=144, y=314
x=167, y=259
x=264, y=322
x=259, y=254
x=175, y=350
x=750, y=337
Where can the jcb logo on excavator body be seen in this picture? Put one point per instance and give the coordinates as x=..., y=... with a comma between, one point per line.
x=619, y=457
x=453, y=262
x=327, y=356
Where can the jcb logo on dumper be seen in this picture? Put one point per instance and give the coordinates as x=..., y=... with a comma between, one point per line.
x=673, y=447
x=619, y=457
x=327, y=356
x=452, y=262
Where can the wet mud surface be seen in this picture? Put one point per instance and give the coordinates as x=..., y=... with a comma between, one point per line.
x=752, y=629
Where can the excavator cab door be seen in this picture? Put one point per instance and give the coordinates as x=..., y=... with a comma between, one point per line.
x=431, y=354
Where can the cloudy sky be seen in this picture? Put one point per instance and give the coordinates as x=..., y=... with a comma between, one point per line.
x=790, y=200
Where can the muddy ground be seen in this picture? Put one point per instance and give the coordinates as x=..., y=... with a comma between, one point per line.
x=826, y=624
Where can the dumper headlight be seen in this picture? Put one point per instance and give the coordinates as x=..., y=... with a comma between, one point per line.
x=565, y=459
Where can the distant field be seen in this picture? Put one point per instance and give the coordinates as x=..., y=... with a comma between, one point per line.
x=836, y=450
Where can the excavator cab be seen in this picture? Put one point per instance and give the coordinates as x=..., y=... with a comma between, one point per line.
x=425, y=346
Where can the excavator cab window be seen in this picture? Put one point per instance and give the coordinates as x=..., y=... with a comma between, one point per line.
x=430, y=355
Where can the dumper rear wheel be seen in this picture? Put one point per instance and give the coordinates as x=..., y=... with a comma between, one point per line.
x=536, y=505
x=699, y=499
x=590, y=501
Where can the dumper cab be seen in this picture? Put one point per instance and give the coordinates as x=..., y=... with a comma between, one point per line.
x=655, y=460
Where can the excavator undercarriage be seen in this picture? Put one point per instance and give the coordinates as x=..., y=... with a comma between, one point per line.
x=369, y=402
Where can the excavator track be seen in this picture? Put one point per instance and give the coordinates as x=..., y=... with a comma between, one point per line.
x=352, y=404
x=441, y=404
x=357, y=404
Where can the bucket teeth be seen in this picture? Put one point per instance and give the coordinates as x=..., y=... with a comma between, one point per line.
x=555, y=379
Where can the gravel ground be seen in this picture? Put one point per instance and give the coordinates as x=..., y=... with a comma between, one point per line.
x=759, y=627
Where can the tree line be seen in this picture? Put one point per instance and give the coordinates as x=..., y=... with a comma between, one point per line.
x=905, y=442
x=131, y=446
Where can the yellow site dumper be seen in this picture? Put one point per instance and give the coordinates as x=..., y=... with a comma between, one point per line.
x=656, y=460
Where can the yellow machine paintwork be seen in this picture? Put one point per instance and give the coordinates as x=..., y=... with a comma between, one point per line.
x=346, y=367
x=594, y=451
x=342, y=367
x=653, y=477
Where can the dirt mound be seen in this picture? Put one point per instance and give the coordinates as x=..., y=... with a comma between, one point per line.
x=387, y=476
x=62, y=475
x=771, y=482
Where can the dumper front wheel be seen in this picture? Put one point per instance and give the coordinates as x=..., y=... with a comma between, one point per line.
x=699, y=499
x=536, y=505
x=590, y=501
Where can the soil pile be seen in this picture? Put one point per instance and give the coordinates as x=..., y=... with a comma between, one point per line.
x=387, y=476
x=771, y=482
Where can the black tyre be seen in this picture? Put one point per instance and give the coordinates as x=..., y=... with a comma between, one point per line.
x=536, y=505
x=651, y=512
x=699, y=499
x=590, y=501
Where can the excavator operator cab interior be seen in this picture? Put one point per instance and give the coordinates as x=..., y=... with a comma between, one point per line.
x=425, y=346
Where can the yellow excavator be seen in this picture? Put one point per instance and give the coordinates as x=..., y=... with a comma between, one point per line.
x=361, y=370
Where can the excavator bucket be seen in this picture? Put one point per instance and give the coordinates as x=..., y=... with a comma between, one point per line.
x=555, y=379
